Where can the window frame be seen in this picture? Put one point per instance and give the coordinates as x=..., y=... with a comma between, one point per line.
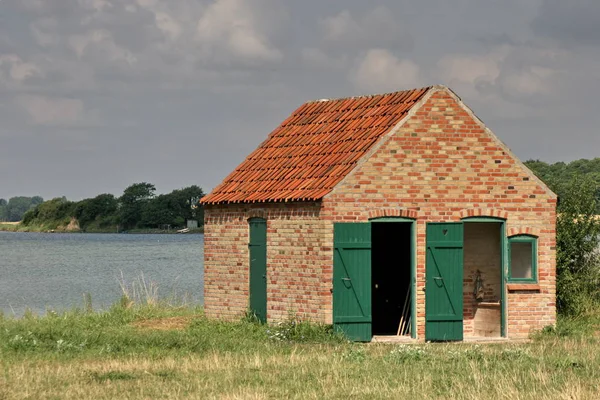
x=534, y=258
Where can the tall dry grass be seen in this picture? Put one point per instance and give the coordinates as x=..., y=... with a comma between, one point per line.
x=162, y=351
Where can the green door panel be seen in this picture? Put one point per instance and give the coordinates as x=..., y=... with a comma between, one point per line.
x=352, y=280
x=258, y=268
x=444, y=282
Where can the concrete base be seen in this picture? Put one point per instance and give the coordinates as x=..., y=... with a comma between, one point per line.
x=393, y=339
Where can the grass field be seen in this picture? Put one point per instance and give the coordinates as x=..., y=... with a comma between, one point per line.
x=157, y=352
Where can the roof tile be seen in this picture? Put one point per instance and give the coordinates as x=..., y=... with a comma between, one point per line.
x=314, y=149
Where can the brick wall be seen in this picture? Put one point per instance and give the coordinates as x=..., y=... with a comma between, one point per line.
x=299, y=261
x=441, y=165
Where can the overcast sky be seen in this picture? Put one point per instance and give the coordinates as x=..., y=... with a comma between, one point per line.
x=98, y=94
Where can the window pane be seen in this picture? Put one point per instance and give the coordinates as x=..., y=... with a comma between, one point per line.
x=521, y=260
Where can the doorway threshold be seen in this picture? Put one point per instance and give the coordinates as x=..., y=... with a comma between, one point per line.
x=392, y=339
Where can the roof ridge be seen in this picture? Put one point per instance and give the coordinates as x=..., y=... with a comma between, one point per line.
x=365, y=96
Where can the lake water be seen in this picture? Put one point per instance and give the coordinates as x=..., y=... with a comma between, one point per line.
x=44, y=271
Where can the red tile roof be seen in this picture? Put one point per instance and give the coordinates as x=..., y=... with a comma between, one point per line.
x=314, y=149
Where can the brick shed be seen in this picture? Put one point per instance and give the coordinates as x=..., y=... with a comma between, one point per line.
x=392, y=214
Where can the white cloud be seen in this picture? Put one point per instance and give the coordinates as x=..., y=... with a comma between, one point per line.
x=151, y=4
x=465, y=68
x=235, y=28
x=340, y=25
x=528, y=81
x=103, y=40
x=509, y=71
x=98, y=5
x=44, y=33
x=85, y=44
x=166, y=20
x=16, y=69
x=377, y=27
x=317, y=58
x=350, y=35
x=168, y=25
x=381, y=71
x=54, y=111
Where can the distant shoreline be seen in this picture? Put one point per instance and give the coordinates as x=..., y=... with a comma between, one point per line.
x=16, y=227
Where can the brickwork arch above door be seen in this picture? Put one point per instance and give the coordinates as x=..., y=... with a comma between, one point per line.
x=523, y=230
x=256, y=213
x=483, y=212
x=394, y=212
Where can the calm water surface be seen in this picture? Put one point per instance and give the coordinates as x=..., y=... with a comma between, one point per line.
x=44, y=271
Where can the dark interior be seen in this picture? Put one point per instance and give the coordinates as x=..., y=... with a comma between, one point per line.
x=391, y=270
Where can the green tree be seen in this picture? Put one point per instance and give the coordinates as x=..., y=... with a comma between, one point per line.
x=159, y=211
x=3, y=204
x=51, y=213
x=132, y=202
x=17, y=207
x=187, y=201
x=101, y=209
x=577, y=240
x=173, y=208
x=57, y=209
x=29, y=217
x=559, y=174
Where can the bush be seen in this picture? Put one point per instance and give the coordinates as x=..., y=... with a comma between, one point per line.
x=293, y=330
x=577, y=240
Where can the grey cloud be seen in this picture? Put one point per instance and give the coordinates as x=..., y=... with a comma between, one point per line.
x=97, y=94
x=574, y=22
x=377, y=27
x=55, y=111
x=381, y=71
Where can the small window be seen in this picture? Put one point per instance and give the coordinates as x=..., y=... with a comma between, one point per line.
x=523, y=259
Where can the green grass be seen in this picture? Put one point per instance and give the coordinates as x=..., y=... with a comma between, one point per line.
x=162, y=351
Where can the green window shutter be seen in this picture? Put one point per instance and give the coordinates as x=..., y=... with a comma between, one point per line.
x=258, y=268
x=352, y=280
x=444, y=282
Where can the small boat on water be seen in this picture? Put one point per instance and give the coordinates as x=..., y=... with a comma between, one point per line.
x=184, y=230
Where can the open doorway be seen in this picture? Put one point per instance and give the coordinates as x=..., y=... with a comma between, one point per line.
x=391, y=278
x=482, y=289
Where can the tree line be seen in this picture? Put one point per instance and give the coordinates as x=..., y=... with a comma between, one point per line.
x=137, y=207
x=14, y=209
x=558, y=175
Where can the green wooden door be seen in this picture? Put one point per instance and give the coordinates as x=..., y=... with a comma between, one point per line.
x=258, y=268
x=352, y=280
x=444, y=282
